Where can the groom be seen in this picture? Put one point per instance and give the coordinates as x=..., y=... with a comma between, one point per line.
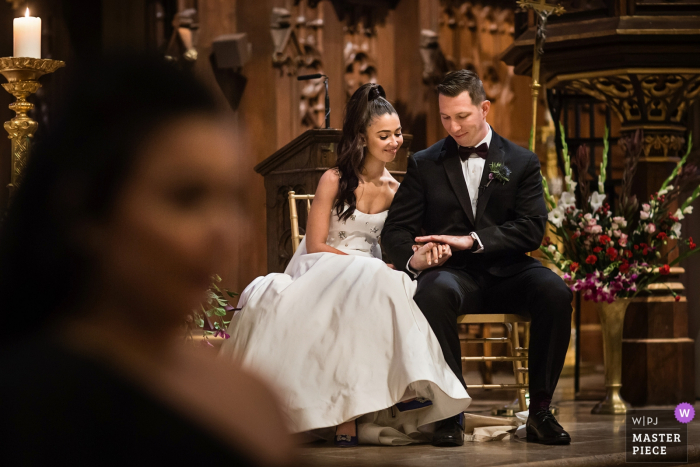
x=482, y=195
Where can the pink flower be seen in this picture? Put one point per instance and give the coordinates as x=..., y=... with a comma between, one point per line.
x=650, y=228
x=623, y=240
x=646, y=207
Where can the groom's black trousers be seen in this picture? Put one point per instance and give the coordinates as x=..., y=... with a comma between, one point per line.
x=445, y=293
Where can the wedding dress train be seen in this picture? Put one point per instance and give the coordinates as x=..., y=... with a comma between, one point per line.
x=341, y=337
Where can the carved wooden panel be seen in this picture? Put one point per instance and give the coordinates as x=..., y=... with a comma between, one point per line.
x=297, y=35
x=472, y=35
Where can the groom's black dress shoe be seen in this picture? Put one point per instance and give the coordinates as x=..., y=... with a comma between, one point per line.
x=543, y=428
x=449, y=432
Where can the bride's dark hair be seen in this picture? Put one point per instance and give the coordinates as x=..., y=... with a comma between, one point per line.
x=366, y=104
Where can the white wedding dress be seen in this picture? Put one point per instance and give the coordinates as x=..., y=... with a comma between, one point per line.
x=341, y=337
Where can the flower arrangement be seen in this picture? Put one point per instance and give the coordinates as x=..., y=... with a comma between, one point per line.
x=211, y=314
x=608, y=255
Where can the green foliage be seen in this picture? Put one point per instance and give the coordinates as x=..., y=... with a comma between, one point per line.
x=211, y=313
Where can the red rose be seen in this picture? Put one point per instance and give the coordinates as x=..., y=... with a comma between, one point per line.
x=573, y=267
x=624, y=267
x=662, y=236
x=591, y=259
x=665, y=270
x=628, y=253
x=597, y=249
x=603, y=239
x=612, y=253
x=691, y=244
x=677, y=298
x=636, y=247
x=645, y=251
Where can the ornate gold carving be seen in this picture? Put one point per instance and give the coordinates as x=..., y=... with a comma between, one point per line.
x=25, y=69
x=654, y=97
x=662, y=144
x=654, y=100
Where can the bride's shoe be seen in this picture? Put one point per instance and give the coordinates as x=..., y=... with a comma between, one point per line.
x=347, y=441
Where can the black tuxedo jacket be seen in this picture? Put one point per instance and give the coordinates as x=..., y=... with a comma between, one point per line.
x=433, y=200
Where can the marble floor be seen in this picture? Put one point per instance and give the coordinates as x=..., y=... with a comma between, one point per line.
x=597, y=440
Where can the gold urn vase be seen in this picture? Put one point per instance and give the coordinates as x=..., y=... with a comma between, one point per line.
x=612, y=318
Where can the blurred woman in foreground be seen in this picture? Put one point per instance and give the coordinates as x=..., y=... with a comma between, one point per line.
x=125, y=212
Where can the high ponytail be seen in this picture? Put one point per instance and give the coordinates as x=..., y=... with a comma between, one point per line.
x=366, y=104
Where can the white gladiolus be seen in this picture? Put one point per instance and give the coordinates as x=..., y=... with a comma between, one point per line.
x=556, y=216
x=676, y=228
x=596, y=200
x=679, y=214
x=552, y=248
x=688, y=210
x=665, y=190
x=570, y=183
x=567, y=200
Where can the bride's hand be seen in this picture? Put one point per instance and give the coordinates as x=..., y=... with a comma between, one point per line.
x=457, y=243
x=430, y=255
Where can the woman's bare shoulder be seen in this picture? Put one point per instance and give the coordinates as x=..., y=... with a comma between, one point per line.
x=328, y=185
x=392, y=183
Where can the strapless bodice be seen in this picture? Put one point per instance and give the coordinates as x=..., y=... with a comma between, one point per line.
x=359, y=234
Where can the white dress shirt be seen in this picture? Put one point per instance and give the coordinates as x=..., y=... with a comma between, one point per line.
x=473, y=169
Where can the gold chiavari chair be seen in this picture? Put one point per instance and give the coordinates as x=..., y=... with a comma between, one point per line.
x=518, y=354
x=294, y=217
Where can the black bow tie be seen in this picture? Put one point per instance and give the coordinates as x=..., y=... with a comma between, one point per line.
x=481, y=150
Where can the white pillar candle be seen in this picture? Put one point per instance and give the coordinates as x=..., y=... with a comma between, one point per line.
x=27, y=35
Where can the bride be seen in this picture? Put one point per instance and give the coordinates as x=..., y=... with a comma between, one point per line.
x=339, y=333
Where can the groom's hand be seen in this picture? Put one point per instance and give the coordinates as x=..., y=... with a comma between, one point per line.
x=429, y=255
x=457, y=243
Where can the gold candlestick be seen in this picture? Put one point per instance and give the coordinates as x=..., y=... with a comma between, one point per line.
x=22, y=74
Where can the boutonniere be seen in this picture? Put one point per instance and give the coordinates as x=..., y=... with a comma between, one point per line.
x=498, y=172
